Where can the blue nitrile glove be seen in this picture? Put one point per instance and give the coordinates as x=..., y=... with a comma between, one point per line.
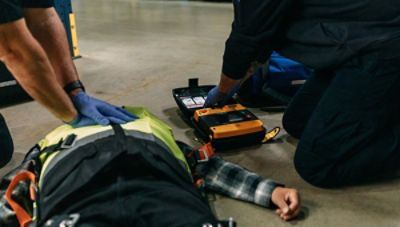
x=215, y=97
x=96, y=112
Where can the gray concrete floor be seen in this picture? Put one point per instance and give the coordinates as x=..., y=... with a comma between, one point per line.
x=136, y=52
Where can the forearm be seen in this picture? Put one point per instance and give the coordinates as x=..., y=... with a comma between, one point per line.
x=236, y=182
x=47, y=28
x=29, y=64
x=226, y=83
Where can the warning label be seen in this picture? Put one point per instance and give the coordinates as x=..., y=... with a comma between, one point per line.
x=195, y=102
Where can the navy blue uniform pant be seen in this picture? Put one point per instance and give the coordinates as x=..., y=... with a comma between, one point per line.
x=6, y=143
x=348, y=122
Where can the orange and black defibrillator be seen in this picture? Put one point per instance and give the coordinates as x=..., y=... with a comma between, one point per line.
x=227, y=127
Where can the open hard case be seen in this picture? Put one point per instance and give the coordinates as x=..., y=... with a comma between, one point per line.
x=227, y=127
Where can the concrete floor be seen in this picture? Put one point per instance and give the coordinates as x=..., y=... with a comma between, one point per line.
x=136, y=52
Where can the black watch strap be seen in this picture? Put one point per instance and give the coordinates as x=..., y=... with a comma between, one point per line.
x=73, y=85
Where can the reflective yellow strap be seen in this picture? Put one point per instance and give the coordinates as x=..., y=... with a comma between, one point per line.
x=271, y=134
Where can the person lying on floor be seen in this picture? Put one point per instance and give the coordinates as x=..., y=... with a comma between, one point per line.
x=133, y=174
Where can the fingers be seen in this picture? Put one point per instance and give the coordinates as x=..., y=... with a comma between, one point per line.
x=294, y=201
x=287, y=216
x=98, y=118
x=116, y=120
x=282, y=215
x=288, y=201
x=116, y=112
x=127, y=112
x=209, y=99
x=283, y=206
x=86, y=107
x=99, y=111
x=84, y=121
x=213, y=97
x=206, y=103
x=292, y=198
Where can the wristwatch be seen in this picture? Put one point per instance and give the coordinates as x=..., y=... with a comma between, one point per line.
x=73, y=85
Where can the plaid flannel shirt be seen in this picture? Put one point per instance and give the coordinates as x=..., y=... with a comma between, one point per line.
x=229, y=179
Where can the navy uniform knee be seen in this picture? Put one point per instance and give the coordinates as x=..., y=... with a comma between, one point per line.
x=312, y=168
x=292, y=126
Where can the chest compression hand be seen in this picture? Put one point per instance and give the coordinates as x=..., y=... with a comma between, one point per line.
x=96, y=112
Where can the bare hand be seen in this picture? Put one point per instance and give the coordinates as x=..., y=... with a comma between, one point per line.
x=288, y=202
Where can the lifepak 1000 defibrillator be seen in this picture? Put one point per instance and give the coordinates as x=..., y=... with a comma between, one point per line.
x=230, y=126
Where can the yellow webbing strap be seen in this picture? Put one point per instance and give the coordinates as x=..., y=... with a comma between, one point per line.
x=271, y=134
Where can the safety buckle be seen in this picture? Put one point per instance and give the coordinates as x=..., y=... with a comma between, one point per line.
x=206, y=158
x=71, y=222
x=68, y=142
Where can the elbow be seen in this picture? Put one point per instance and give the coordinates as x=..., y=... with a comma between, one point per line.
x=10, y=57
x=22, y=60
x=11, y=53
x=6, y=53
x=20, y=50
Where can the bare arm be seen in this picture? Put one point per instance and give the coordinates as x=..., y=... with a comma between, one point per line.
x=27, y=61
x=226, y=83
x=46, y=26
